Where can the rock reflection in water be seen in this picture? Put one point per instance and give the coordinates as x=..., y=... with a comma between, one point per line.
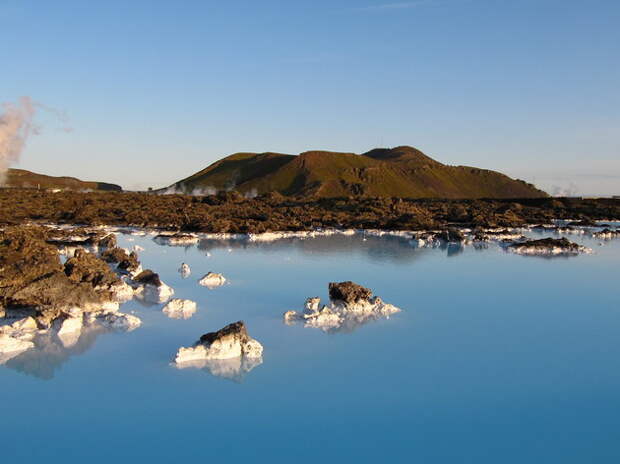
x=51, y=352
x=381, y=249
x=234, y=369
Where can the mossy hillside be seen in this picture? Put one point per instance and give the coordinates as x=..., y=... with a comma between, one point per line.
x=398, y=172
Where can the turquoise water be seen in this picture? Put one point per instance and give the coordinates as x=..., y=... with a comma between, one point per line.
x=495, y=358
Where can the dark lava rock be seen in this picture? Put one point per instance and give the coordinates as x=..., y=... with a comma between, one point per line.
x=32, y=276
x=86, y=267
x=126, y=262
x=548, y=243
x=114, y=255
x=348, y=292
x=24, y=257
x=235, y=329
x=109, y=241
x=130, y=264
x=148, y=277
x=231, y=214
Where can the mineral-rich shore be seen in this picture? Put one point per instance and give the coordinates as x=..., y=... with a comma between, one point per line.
x=232, y=213
x=42, y=295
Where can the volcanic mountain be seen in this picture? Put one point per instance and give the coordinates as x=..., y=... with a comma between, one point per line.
x=390, y=172
x=20, y=178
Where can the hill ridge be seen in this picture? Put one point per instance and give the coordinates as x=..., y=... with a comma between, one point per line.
x=401, y=171
x=22, y=178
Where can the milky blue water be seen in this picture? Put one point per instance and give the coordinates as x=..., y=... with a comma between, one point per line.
x=495, y=358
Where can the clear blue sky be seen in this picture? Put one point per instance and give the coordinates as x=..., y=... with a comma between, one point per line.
x=156, y=90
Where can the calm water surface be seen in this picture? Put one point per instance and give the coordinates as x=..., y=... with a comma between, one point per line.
x=495, y=358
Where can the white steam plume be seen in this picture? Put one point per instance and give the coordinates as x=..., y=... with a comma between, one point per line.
x=15, y=128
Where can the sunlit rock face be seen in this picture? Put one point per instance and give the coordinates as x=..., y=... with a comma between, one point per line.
x=212, y=280
x=229, y=342
x=351, y=306
x=178, y=308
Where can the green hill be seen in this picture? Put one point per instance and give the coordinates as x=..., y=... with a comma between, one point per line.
x=396, y=172
x=20, y=178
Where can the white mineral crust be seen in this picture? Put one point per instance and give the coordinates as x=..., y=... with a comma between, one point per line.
x=178, y=308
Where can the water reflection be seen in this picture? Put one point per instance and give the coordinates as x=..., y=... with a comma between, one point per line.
x=383, y=249
x=234, y=369
x=51, y=352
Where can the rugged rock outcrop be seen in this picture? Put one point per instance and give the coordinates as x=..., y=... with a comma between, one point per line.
x=39, y=294
x=350, y=307
x=126, y=262
x=33, y=277
x=348, y=292
x=229, y=342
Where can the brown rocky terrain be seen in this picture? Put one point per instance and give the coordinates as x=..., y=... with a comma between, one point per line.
x=32, y=276
x=231, y=212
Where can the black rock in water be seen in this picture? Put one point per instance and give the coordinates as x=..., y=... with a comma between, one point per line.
x=348, y=292
x=148, y=277
x=548, y=243
x=236, y=329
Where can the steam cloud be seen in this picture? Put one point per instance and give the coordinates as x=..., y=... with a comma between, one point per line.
x=565, y=191
x=15, y=128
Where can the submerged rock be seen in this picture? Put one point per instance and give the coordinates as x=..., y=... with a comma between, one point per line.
x=185, y=270
x=548, y=246
x=351, y=306
x=232, y=341
x=178, y=308
x=212, y=280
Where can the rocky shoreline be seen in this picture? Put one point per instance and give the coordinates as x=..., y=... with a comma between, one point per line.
x=58, y=281
x=230, y=212
x=41, y=295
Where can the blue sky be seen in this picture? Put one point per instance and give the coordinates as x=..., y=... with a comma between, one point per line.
x=156, y=90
